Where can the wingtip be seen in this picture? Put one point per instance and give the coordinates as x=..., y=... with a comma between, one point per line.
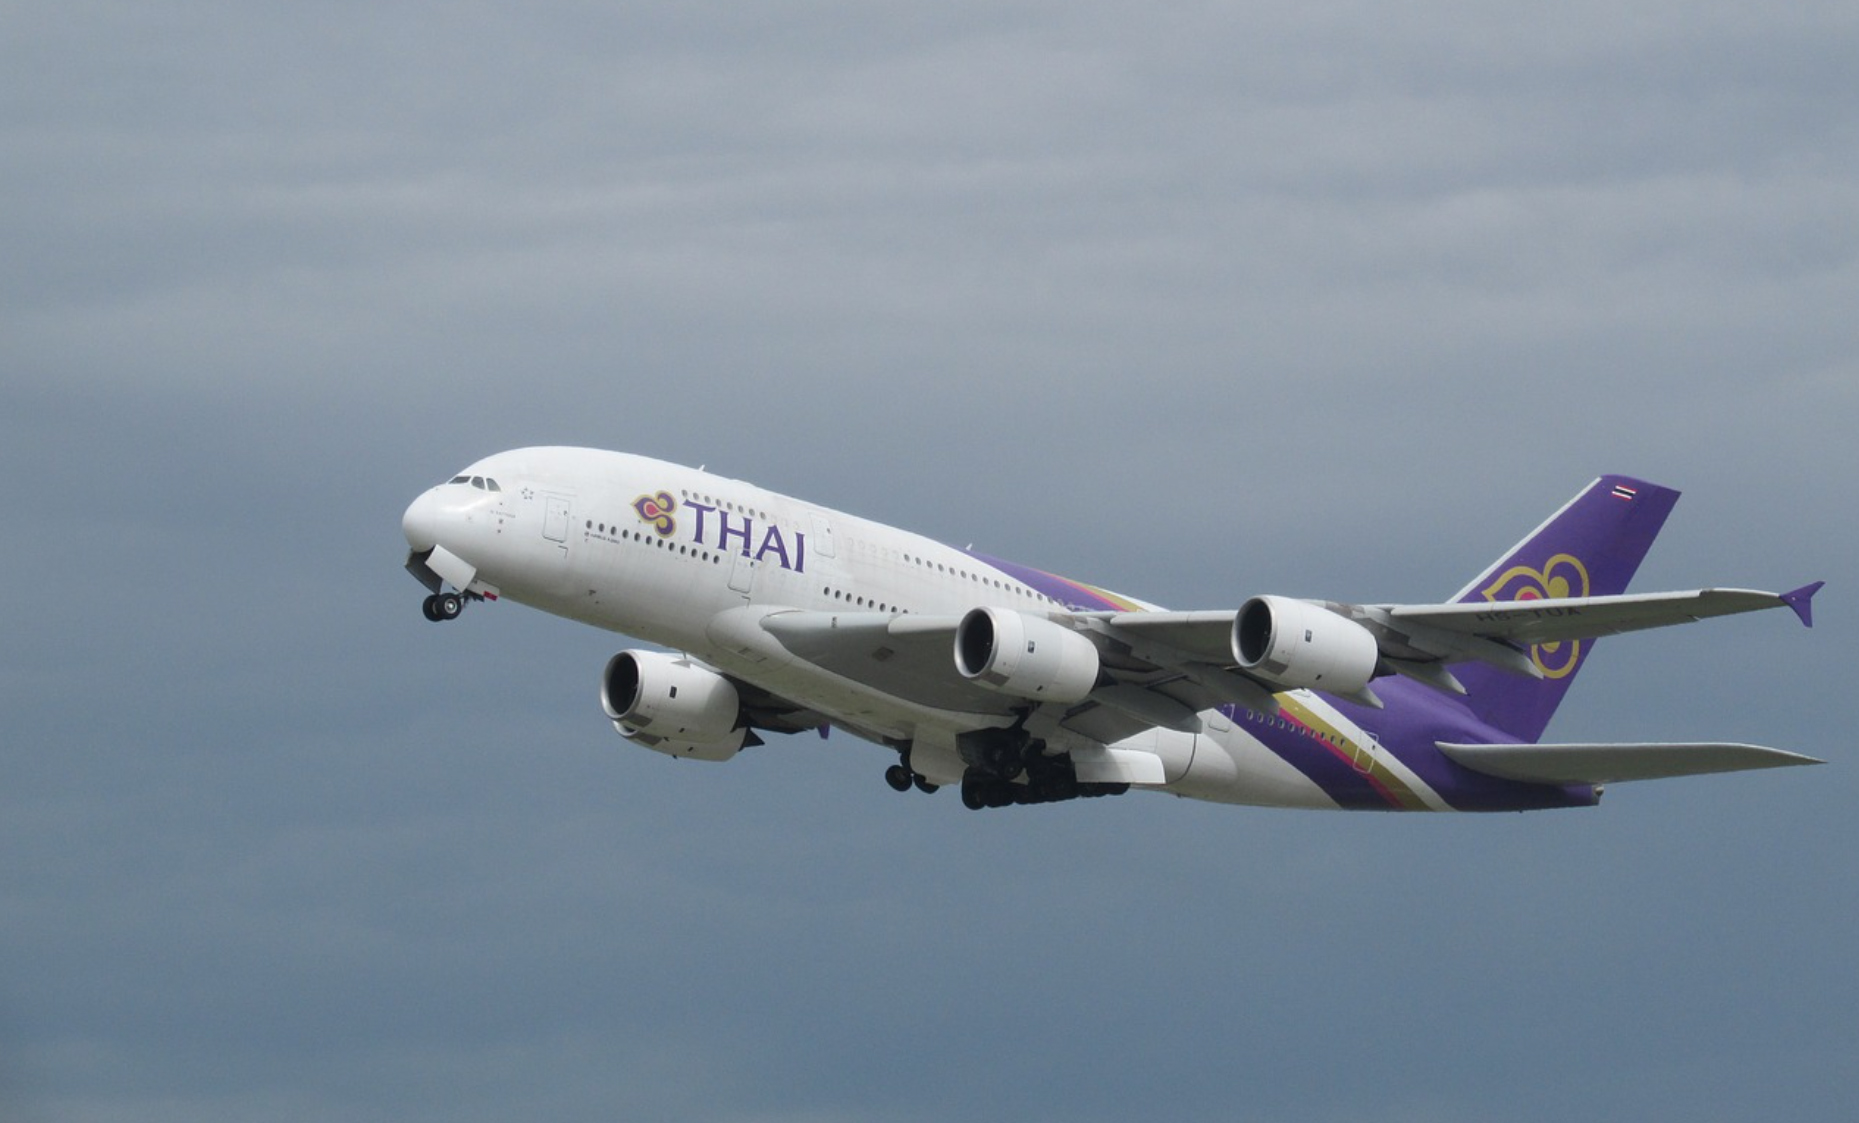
x=1802, y=601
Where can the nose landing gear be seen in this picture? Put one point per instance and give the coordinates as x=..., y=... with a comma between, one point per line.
x=443, y=606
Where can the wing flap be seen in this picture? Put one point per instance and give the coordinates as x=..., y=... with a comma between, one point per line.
x=1617, y=763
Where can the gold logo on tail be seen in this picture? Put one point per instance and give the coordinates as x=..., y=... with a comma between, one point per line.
x=1561, y=577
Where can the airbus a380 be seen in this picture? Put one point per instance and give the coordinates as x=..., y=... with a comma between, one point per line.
x=1025, y=687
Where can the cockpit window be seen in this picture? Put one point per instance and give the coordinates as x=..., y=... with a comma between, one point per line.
x=478, y=482
x=491, y=485
x=482, y=483
x=460, y=480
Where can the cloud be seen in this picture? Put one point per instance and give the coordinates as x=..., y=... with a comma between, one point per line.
x=1195, y=302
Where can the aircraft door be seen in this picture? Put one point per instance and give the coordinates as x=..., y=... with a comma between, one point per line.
x=742, y=574
x=1362, y=754
x=823, y=545
x=555, y=519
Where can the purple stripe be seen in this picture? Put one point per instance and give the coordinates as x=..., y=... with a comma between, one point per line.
x=1417, y=716
x=1070, y=595
x=1316, y=759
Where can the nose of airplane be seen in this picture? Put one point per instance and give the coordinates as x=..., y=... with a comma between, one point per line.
x=421, y=522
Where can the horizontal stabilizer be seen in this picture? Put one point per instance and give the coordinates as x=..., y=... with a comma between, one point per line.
x=1612, y=764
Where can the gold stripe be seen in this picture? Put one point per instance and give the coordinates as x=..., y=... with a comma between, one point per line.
x=1404, y=797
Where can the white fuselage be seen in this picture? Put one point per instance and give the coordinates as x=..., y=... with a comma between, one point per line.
x=693, y=561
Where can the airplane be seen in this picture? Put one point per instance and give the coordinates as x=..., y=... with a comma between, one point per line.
x=1023, y=687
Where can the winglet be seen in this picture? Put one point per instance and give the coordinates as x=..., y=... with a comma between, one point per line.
x=1802, y=601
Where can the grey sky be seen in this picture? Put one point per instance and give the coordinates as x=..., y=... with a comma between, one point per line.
x=1194, y=301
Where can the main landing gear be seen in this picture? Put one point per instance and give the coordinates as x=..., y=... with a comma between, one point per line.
x=1006, y=768
x=1053, y=782
x=443, y=606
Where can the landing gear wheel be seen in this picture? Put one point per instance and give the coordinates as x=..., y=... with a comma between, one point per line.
x=898, y=777
x=923, y=785
x=441, y=607
x=980, y=790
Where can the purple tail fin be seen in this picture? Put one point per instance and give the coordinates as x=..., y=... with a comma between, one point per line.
x=1591, y=547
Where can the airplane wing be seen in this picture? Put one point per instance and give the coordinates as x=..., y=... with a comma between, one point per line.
x=1551, y=621
x=911, y=657
x=1605, y=764
x=1420, y=641
x=1161, y=669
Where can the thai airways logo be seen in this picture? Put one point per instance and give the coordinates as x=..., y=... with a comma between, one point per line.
x=1561, y=577
x=657, y=510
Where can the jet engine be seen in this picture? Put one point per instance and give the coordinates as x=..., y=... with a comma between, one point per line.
x=671, y=705
x=1026, y=656
x=1296, y=644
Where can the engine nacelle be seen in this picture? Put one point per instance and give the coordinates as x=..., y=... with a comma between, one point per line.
x=671, y=705
x=1026, y=656
x=1297, y=644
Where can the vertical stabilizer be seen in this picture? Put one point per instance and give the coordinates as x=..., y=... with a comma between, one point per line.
x=1591, y=547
